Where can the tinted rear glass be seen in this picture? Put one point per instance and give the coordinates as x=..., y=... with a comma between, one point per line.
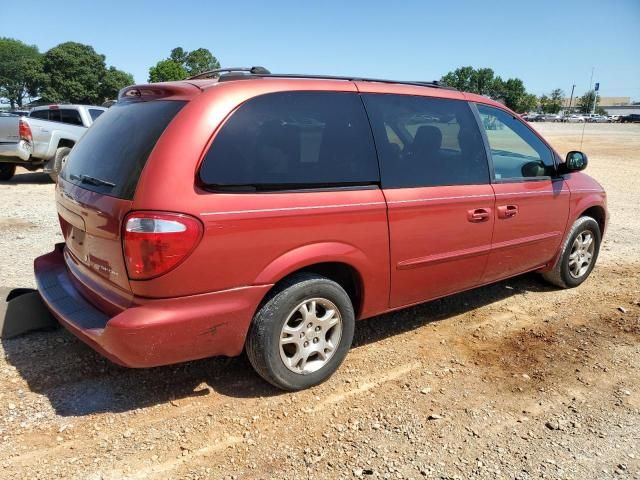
x=70, y=116
x=426, y=142
x=44, y=114
x=116, y=147
x=95, y=113
x=291, y=140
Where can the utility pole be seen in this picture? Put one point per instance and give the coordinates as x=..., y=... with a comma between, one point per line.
x=571, y=98
x=591, y=87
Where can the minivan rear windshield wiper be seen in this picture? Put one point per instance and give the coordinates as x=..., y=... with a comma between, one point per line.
x=98, y=182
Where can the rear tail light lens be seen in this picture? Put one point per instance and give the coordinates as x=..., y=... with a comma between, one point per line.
x=24, y=130
x=154, y=243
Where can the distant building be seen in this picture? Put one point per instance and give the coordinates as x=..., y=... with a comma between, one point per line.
x=612, y=105
x=603, y=101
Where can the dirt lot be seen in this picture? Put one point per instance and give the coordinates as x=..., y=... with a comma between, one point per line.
x=515, y=380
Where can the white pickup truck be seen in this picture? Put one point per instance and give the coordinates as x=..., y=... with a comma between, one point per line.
x=44, y=138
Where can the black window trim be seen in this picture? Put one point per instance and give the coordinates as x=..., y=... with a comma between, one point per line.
x=485, y=139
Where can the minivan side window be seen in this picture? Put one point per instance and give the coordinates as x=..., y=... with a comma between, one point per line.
x=516, y=152
x=293, y=140
x=426, y=142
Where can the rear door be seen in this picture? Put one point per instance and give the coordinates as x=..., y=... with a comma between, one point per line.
x=435, y=179
x=532, y=203
x=98, y=182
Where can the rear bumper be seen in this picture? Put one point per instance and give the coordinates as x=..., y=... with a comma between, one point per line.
x=15, y=151
x=152, y=332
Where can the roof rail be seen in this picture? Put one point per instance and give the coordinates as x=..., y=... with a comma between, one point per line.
x=226, y=74
x=419, y=83
x=218, y=71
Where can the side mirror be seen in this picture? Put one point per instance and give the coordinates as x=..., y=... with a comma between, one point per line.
x=575, y=162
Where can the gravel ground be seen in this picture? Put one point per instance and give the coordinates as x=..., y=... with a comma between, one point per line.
x=515, y=380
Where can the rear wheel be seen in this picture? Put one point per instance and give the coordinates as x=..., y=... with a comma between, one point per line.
x=302, y=333
x=59, y=160
x=578, y=256
x=7, y=171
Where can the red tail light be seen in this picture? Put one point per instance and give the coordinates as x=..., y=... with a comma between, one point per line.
x=24, y=130
x=154, y=243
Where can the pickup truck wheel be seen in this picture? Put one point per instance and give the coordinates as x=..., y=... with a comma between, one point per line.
x=58, y=162
x=7, y=171
x=578, y=255
x=302, y=333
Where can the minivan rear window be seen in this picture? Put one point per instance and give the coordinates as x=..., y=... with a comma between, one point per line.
x=291, y=140
x=112, y=153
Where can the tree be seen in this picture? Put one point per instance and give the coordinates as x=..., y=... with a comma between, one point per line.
x=200, y=60
x=585, y=102
x=113, y=81
x=167, y=71
x=21, y=74
x=553, y=102
x=74, y=74
x=484, y=82
x=514, y=95
x=182, y=64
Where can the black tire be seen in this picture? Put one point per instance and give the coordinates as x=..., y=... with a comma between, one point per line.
x=561, y=276
x=58, y=162
x=263, y=340
x=7, y=171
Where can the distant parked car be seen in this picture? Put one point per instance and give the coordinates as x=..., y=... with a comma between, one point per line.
x=531, y=117
x=550, y=117
x=44, y=138
x=574, y=119
x=613, y=118
x=597, y=119
x=633, y=118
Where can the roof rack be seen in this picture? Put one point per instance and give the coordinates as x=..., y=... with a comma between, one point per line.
x=419, y=83
x=219, y=71
x=226, y=74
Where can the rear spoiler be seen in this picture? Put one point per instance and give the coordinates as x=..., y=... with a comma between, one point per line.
x=158, y=91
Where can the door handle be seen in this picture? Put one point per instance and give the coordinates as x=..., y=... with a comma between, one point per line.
x=478, y=215
x=507, y=211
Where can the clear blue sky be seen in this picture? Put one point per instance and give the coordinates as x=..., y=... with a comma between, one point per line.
x=547, y=44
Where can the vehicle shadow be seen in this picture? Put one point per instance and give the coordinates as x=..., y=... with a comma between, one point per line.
x=77, y=381
x=28, y=178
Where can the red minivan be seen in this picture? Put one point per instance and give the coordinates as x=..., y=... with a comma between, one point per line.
x=247, y=210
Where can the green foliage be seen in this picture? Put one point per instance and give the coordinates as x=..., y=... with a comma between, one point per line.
x=553, y=102
x=74, y=72
x=514, y=95
x=483, y=82
x=182, y=64
x=70, y=72
x=585, y=102
x=21, y=73
x=113, y=81
x=468, y=79
x=167, y=71
x=200, y=60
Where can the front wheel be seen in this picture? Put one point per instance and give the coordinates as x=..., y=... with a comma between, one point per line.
x=578, y=255
x=302, y=333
